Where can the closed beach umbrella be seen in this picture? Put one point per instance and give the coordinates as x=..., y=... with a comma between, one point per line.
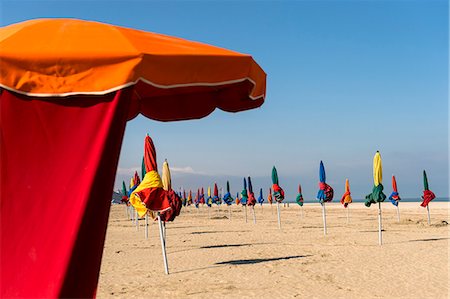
x=324, y=195
x=377, y=195
x=166, y=179
x=143, y=171
x=216, y=198
x=346, y=198
x=244, y=198
x=238, y=201
x=244, y=194
x=201, y=197
x=427, y=196
x=251, y=201
x=269, y=196
x=227, y=198
x=189, y=199
x=394, y=197
x=209, y=199
x=299, y=198
x=260, y=197
x=278, y=193
x=97, y=76
x=149, y=193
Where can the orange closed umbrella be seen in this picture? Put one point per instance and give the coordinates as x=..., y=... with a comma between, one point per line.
x=68, y=87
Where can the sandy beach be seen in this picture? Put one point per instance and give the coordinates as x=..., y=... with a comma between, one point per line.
x=229, y=258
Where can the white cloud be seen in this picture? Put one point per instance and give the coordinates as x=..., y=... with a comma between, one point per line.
x=187, y=169
x=128, y=171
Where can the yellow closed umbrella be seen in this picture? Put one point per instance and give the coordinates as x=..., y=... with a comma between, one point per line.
x=377, y=195
x=166, y=180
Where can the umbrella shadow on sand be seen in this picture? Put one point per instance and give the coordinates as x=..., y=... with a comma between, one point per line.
x=257, y=261
x=217, y=231
x=232, y=245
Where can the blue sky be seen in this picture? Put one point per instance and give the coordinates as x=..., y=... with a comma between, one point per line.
x=344, y=79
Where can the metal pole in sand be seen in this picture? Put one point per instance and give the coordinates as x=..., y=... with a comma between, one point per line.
x=245, y=212
x=380, y=237
x=136, y=216
x=348, y=212
x=254, y=216
x=398, y=213
x=146, y=225
x=428, y=212
x=229, y=212
x=278, y=212
x=163, y=244
x=324, y=216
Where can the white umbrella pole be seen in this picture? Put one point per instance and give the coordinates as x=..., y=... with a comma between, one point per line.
x=146, y=225
x=398, y=213
x=324, y=216
x=428, y=212
x=126, y=210
x=164, y=231
x=229, y=212
x=136, y=216
x=209, y=212
x=163, y=244
x=348, y=212
x=245, y=210
x=254, y=216
x=380, y=237
x=278, y=212
x=302, y=211
x=131, y=213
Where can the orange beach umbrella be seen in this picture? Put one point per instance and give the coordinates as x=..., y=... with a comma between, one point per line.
x=172, y=78
x=68, y=87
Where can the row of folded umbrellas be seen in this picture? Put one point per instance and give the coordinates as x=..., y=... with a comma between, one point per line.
x=154, y=193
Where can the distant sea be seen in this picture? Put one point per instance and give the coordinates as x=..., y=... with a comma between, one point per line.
x=437, y=199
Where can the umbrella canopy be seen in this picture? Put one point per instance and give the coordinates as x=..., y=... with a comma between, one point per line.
x=227, y=198
x=87, y=79
x=93, y=58
x=189, y=199
x=251, y=201
x=238, y=201
x=244, y=194
x=278, y=192
x=260, y=198
x=394, y=197
x=143, y=168
x=209, y=200
x=124, y=193
x=166, y=179
x=197, y=198
x=174, y=199
x=299, y=198
x=269, y=196
x=346, y=198
x=325, y=193
x=216, y=198
x=124, y=189
x=150, y=194
x=377, y=194
x=428, y=195
x=201, y=198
